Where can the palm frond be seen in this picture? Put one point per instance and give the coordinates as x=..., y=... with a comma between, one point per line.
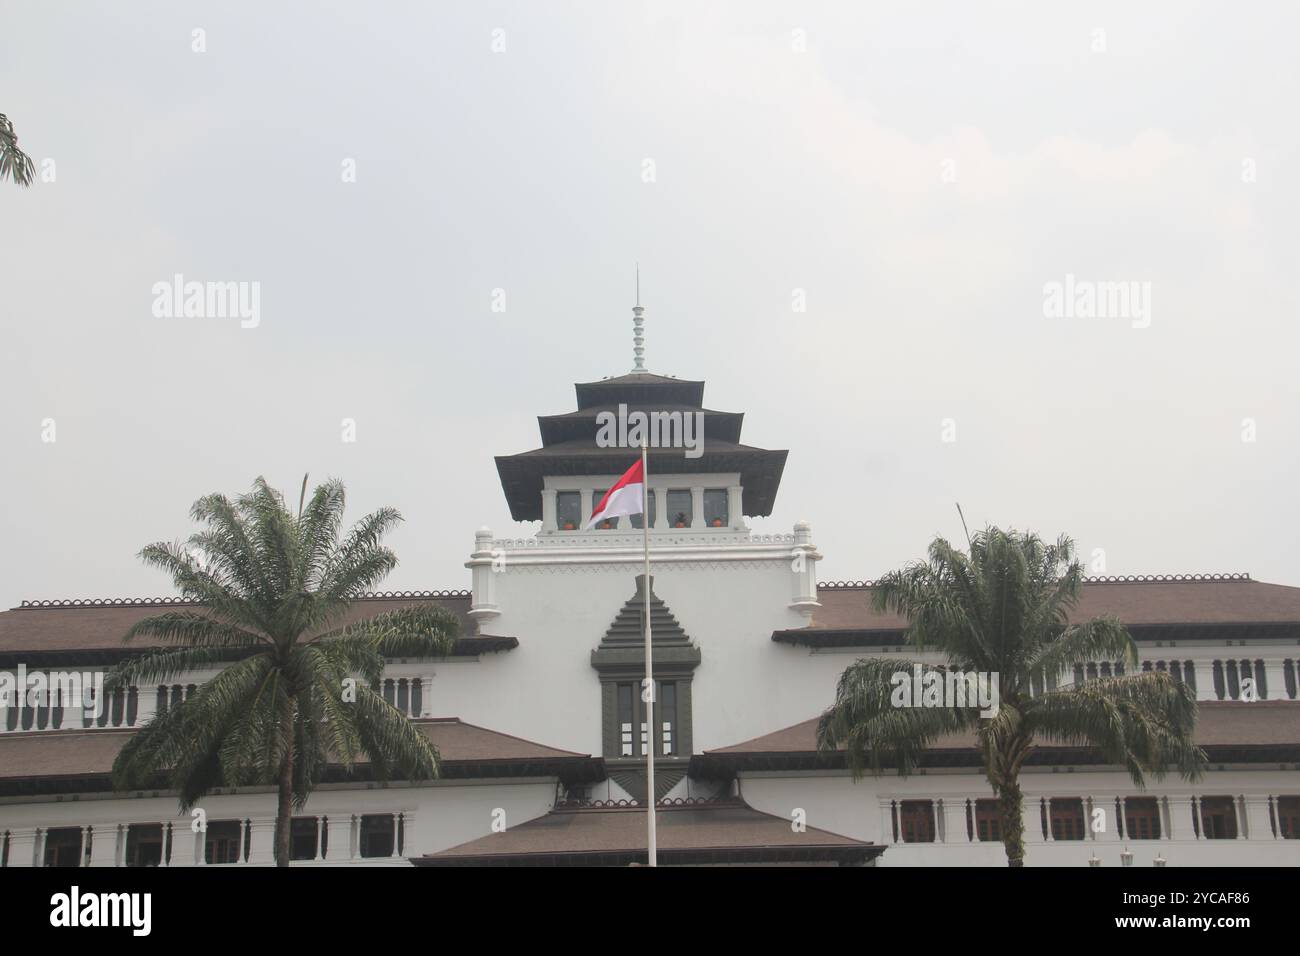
x=865, y=722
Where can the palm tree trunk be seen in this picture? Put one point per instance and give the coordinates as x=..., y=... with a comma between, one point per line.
x=284, y=808
x=1011, y=816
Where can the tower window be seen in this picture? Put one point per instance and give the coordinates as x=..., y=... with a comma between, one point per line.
x=609, y=524
x=650, y=503
x=715, y=507
x=568, y=510
x=680, y=508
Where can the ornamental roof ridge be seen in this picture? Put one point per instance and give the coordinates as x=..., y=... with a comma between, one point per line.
x=1097, y=579
x=186, y=602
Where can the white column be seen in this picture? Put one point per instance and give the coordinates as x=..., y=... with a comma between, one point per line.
x=954, y=820
x=1111, y=833
x=119, y=847
x=261, y=847
x=548, y=510
x=243, y=838
x=354, y=843
x=735, y=504
x=426, y=696
x=23, y=846
x=483, y=604
x=320, y=837
x=1182, y=813
x=661, y=508
x=803, y=569
x=339, y=826
x=103, y=845
x=1204, y=679
x=1257, y=826
x=697, y=507
x=1275, y=679
x=886, y=823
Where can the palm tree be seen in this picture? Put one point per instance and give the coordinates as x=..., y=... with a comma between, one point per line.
x=299, y=687
x=1003, y=609
x=14, y=163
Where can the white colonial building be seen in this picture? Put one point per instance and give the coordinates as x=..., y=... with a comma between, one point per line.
x=538, y=720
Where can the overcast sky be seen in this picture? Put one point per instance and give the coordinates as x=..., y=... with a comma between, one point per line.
x=920, y=174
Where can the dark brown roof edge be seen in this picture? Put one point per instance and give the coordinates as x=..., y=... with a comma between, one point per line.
x=844, y=855
x=722, y=766
x=576, y=769
x=107, y=656
x=1170, y=631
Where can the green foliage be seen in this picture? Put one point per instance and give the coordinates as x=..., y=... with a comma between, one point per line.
x=1003, y=608
x=298, y=680
x=14, y=163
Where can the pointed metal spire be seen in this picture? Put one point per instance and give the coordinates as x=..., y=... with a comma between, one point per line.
x=638, y=327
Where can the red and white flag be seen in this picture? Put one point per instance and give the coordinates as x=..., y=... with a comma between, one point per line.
x=623, y=499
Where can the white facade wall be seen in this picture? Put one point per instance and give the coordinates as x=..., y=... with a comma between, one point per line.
x=832, y=801
x=435, y=817
x=558, y=596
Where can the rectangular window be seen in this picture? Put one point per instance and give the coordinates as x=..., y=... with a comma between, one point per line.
x=715, y=507
x=568, y=510
x=666, y=716
x=1218, y=818
x=302, y=838
x=632, y=723
x=608, y=524
x=1288, y=817
x=1142, y=818
x=377, y=835
x=626, y=717
x=650, y=503
x=988, y=824
x=916, y=821
x=680, y=508
x=63, y=846
x=144, y=844
x=1066, y=815
x=221, y=842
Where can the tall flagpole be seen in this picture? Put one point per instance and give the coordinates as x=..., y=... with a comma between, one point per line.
x=649, y=666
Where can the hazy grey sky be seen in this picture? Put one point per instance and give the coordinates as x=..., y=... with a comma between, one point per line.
x=920, y=173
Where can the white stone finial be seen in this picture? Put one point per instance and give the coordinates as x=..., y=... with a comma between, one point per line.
x=638, y=328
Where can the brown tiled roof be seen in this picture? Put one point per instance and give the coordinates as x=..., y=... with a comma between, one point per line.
x=1136, y=603
x=1230, y=730
x=83, y=626
x=467, y=750
x=712, y=831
